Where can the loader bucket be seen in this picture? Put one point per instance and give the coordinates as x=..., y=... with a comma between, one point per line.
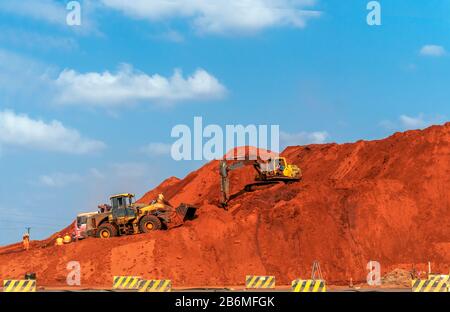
x=186, y=212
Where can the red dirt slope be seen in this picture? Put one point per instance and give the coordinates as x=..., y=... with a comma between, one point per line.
x=385, y=200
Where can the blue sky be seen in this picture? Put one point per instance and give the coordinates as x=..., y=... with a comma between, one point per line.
x=87, y=111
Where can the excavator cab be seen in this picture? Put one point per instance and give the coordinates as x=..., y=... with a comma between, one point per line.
x=278, y=167
x=277, y=164
x=282, y=168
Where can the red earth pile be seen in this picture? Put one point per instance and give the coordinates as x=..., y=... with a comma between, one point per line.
x=385, y=200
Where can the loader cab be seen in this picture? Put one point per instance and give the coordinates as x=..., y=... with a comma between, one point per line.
x=121, y=206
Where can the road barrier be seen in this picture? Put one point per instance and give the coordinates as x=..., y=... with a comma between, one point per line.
x=440, y=276
x=309, y=286
x=19, y=285
x=155, y=286
x=434, y=283
x=258, y=282
x=126, y=282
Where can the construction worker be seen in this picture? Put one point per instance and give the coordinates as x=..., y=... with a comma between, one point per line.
x=67, y=239
x=280, y=166
x=160, y=198
x=104, y=208
x=26, y=241
x=59, y=241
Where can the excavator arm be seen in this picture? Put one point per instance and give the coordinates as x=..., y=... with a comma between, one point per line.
x=224, y=169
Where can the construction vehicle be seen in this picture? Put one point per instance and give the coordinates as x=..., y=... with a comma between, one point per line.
x=274, y=170
x=80, y=225
x=125, y=217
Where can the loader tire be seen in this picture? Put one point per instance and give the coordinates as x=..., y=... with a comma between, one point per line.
x=106, y=230
x=149, y=223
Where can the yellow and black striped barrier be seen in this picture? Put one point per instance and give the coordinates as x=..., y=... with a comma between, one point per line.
x=259, y=282
x=155, y=286
x=19, y=285
x=126, y=282
x=309, y=286
x=439, y=276
x=434, y=283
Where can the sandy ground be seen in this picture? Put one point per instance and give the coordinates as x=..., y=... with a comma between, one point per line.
x=385, y=200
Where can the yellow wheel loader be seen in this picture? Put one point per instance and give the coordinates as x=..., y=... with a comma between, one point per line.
x=125, y=217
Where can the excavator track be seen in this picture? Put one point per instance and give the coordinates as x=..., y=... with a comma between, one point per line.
x=253, y=186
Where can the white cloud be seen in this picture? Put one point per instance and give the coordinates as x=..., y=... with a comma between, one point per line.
x=222, y=16
x=42, y=10
x=129, y=86
x=157, y=149
x=22, y=131
x=170, y=35
x=21, y=76
x=406, y=122
x=413, y=122
x=58, y=179
x=35, y=40
x=129, y=170
x=303, y=138
x=121, y=177
x=432, y=50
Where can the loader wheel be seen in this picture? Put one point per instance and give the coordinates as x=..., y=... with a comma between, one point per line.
x=106, y=231
x=149, y=223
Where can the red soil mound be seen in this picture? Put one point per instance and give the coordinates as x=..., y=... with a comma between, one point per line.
x=167, y=187
x=385, y=200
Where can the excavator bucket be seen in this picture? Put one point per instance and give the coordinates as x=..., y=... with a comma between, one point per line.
x=186, y=212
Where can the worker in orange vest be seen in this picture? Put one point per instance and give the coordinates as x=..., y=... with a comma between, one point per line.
x=26, y=241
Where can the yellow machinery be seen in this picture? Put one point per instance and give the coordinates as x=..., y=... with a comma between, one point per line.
x=274, y=170
x=125, y=217
x=278, y=168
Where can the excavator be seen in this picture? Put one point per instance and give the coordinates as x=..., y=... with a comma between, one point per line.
x=274, y=170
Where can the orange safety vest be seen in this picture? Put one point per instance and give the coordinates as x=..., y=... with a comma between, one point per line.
x=26, y=242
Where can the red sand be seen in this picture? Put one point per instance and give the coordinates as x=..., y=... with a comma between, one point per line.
x=385, y=200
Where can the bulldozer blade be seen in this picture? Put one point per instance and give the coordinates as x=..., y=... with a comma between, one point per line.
x=186, y=212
